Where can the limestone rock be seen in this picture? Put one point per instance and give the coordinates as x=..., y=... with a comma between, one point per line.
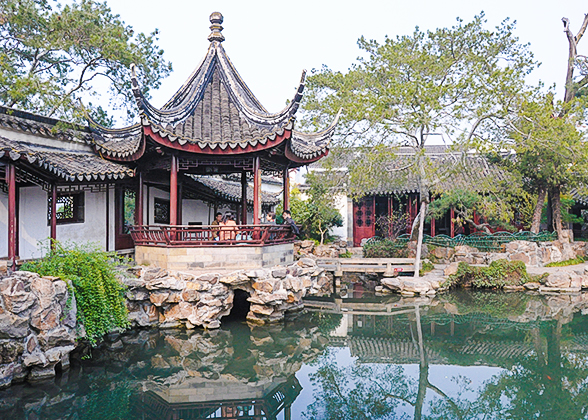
x=451, y=269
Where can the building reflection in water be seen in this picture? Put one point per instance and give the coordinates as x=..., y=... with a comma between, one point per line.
x=217, y=399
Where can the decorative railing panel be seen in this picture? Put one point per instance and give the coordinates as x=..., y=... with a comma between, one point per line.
x=199, y=236
x=485, y=242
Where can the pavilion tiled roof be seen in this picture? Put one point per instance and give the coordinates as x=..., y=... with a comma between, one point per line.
x=231, y=190
x=69, y=165
x=213, y=112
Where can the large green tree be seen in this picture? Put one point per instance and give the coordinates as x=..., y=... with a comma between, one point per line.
x=455, y=82
x=52, y=55
x=546, y=136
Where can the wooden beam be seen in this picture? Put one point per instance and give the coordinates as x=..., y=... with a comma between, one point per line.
x=173, y=191
x=12, y=217
x=256, y=190
x=286, y=177
x=107, y=217
x=244, y=197
x=139, y=199
x=53, y=234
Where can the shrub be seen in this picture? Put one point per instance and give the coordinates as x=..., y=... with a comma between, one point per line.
x=426, y=267
x=385, y=248
x=498, y=274
x=93, y=276
x=574, y=261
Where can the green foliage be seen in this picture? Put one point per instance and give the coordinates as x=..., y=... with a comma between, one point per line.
x=574, y=261
x=456, y=82
x=426, y=266
x=346, y=254
x=317, y=213
x=51, y=55
x=385, y=248
x=498, y=274
x=551, y=151
x=497, y=211
x=92, y=273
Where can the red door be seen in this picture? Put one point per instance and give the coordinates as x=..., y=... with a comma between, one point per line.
x=124, y=207
x=363, y=219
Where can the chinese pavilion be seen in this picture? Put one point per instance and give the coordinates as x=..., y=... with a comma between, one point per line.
x=212, y=125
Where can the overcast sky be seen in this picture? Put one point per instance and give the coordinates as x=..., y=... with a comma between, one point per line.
x=271, y=42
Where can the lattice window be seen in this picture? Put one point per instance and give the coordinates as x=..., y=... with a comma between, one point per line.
x=161, y=211
x=70, y=208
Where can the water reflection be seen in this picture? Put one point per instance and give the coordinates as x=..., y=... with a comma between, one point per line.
x=457, y=356
x=537, y=345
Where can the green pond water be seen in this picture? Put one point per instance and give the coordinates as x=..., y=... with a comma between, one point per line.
x=457, y=356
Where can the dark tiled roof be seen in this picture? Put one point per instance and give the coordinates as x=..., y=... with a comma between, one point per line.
x=311, y=145
x=17, y=120
x=120, y=143
x=231, y=191
x=455, y=169
x=66, y=164
x=215, y=108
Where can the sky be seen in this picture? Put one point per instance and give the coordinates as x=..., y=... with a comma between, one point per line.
x=271, y=42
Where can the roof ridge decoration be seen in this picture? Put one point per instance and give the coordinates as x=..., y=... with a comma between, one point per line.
x=216, y=18
x=120, y=144
x=312, y=146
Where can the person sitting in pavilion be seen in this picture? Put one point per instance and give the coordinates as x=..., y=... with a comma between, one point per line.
x=218, y=219
x=287, y=216
x=228, y=228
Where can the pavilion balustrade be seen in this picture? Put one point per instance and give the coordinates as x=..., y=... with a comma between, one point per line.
x=212, y=235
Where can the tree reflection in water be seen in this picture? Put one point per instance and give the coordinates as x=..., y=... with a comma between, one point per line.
x=539, y=380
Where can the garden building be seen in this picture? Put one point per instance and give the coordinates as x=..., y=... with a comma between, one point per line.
x=158, y=183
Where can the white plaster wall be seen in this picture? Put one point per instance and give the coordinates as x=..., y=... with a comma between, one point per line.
x=94, y=227
x=153, y=194
x=341, y=205
x=196, y=211
x=33, y=226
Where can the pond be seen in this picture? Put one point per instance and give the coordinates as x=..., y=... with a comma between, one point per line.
x=463, y=355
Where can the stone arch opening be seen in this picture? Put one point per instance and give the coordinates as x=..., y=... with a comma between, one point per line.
x=241, y=306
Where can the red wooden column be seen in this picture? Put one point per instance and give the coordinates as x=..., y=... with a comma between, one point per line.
x=256, y=190
x=452, y=223
x=180, y=195
x=173, y=191
x=53, y=233
x=11, y=181
x=243, y=198
x=139, y=199
x=286, y=176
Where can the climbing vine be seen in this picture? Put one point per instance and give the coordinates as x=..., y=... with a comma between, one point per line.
x=92, y=274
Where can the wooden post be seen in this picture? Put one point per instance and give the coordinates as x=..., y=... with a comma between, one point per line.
x=139, y=199
x=256, y=190
x=452, y=223
x=243, y=198
x=53, y=223
x=180, y=201
x=286, y=177
x=107, y=217
x=11, y=181
x=173, y=191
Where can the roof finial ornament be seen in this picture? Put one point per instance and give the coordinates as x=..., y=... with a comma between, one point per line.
x=216, y=18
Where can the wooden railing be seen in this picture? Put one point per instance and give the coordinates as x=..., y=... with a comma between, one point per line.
x=198, y=236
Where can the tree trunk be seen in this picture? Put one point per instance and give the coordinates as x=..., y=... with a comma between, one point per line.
x=417, y=260
x=536, y=225
x=556, y=203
